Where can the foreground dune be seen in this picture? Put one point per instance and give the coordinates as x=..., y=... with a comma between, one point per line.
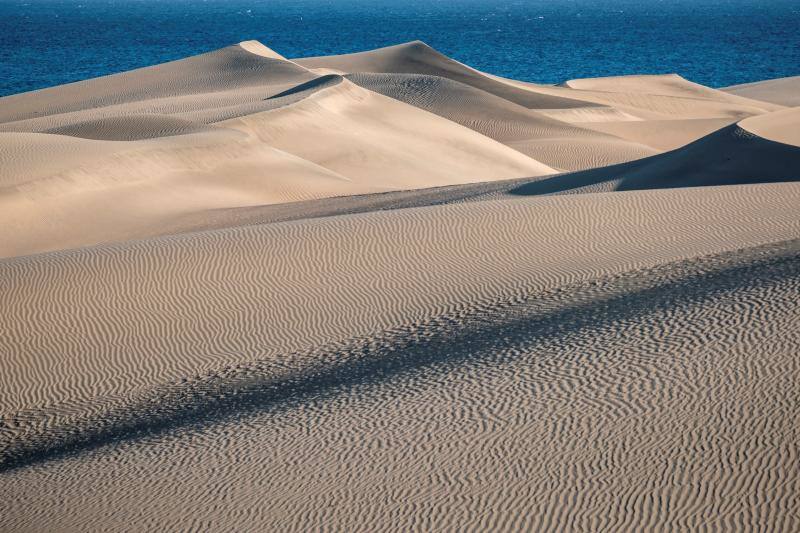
x=663, y=409
x=385, y=290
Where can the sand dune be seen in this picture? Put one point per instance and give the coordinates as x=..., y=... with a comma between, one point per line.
x=419, y=58
x=732, y=155
x=386, y=143
x=239, y=76
x=320, y=138
x=232, y=67
x=198, y=310
x=243, y=314
x=243, y=292
x=663, y=85
x=663, y=112
x=89, y=191
x=661, y=134
x=654, y=98
x=550, y=141
x=179, y=152
x=781, y=91
x=781, y=126
x=660, y=405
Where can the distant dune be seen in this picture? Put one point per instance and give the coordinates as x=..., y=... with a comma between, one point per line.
x=387, y=291
x=783, y=91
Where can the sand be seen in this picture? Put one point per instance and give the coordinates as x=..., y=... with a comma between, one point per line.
x=385, y=290
x=781, y=91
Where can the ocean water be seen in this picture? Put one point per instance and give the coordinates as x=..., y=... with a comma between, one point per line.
x=714, y=42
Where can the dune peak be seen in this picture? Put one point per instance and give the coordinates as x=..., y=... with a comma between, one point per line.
x=416, y=43
x=257, y=48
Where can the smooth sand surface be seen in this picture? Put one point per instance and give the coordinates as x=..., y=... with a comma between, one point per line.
x=780, y=126
x=661, y=85
x=781, y=91
x=661, y=135
x=386, y=291
x=653, y=97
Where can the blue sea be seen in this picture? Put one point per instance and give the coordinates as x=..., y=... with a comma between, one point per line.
x=713, y=42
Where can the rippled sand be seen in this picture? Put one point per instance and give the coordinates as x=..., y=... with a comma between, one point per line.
x=386, y=291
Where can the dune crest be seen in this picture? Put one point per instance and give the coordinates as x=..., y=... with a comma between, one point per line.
x=417, y=57
x=255, y=47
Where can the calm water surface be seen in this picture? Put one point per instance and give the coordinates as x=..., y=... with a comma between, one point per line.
x=714, y=42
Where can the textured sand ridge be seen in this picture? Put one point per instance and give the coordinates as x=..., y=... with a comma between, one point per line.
x=619, y=404
x=387, y=291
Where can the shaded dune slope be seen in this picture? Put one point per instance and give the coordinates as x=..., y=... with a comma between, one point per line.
x=730, y=156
